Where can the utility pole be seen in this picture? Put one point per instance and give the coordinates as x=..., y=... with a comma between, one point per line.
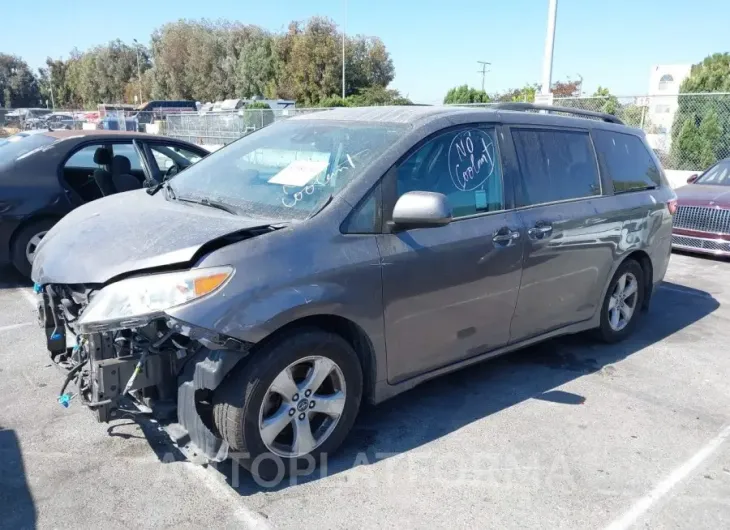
x=344, y=31
x=139, y=73
x=547, y=61
x=483, y=71
x=50, y=79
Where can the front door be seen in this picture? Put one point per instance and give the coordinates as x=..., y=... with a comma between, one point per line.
x=450, y=292
x=565, y=251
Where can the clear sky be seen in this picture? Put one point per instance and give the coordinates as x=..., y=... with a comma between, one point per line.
x=434, y=44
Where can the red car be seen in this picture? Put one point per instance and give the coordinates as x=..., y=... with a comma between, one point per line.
x=702, y=222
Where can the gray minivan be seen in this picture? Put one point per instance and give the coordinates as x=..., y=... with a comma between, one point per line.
x=253, y=302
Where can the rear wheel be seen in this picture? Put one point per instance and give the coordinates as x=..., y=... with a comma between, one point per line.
x=25, y=244
x=291, y=405
x=623, y=302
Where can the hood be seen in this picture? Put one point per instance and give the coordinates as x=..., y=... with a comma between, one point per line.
x=127, y=232
x=703, y=195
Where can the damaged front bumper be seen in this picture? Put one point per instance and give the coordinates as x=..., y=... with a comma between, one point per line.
x=161, y=367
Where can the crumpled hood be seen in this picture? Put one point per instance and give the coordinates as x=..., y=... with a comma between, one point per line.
x=127, y=232
x=695, y=194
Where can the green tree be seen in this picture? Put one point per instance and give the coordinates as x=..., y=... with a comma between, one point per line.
x=608, y=103
x=255, y=66
x=377, y=95
x=525, y=94
x=464, y=94
x=701, y=129
x=18, y=86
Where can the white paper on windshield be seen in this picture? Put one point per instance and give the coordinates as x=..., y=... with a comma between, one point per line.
x=299, y=173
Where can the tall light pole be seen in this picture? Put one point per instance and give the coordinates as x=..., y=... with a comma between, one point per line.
x=547, y=61
x=483, y=71
x=344, y=31
x=50, y=82
x=139, y=74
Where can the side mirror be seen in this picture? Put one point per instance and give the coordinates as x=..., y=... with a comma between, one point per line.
x=692, y=178
x=422, y=209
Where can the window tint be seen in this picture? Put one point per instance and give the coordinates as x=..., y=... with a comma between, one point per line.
x=625, y=159
x=463, y=165
x=84, y=158
x=130, y=152
x=555, y=166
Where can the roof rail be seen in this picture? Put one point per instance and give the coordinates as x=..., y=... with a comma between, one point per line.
x=550, y=108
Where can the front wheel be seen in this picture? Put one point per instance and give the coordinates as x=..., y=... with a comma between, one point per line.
x=622, y=303
x=291, y=405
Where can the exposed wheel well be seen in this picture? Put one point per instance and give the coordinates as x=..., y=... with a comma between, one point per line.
x=346, y=329
x=643, y=259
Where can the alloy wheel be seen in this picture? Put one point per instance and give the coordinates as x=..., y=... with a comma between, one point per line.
x=32, y=246
x=622, y=303
x=302, y=406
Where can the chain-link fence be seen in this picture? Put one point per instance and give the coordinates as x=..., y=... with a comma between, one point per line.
x=106, y=117
x=222, y=127
x=686, y=131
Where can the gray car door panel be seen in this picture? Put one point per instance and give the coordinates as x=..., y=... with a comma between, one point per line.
x=449, y=292
x=566, y=262
x=567, y=257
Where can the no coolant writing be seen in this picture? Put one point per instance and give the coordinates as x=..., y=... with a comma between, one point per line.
x=465, y=149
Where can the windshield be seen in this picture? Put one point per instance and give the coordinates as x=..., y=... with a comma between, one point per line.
x=18, y=145
x=719, y=174
x=287, y=170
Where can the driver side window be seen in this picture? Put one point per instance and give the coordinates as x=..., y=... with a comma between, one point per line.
x=463, y=165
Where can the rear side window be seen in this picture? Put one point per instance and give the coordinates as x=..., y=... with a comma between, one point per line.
x=626, y=160
x=555, y=166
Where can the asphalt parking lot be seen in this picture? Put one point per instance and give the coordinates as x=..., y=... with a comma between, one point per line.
x=567, y=434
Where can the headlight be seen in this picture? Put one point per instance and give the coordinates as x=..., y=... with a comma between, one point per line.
x=135, y=301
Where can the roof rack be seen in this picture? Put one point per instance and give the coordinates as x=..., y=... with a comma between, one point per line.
x=567, y=110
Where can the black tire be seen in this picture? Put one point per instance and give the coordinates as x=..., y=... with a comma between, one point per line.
x=21, y=240
x=237, y=402
x=605, y=332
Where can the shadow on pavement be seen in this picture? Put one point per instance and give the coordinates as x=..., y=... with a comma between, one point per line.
x=18, y=508
x=446, y=404
x=11, y=279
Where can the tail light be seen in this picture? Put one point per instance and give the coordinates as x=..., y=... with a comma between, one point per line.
x=672, y=206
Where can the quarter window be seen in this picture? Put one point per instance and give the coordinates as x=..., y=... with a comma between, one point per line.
x=626, y=160
x=555, y=166
x=463, y=165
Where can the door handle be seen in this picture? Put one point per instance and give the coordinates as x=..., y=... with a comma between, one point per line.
x=505, y=236
x=539, y=231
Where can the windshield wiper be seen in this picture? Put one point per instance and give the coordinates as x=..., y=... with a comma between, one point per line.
x=211, y=203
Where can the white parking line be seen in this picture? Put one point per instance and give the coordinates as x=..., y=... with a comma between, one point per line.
x=664, y=487
x=14, y=326
x=247, y=517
